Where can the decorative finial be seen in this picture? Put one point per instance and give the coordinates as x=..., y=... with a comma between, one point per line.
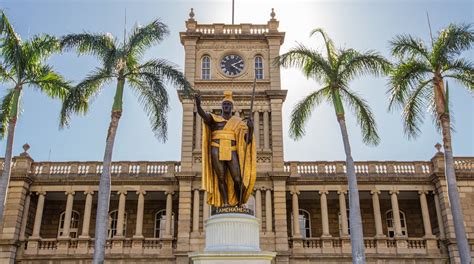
x=26, y=147
x=191, y=14
x=438, y=148
x=272, y=14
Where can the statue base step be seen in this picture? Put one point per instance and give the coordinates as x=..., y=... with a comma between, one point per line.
x=262, y=257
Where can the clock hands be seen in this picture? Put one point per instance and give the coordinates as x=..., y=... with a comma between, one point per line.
x=233, y=64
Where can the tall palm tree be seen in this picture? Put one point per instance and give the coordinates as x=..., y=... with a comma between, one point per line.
x=417, y=81
x=335, y=70
x=121, y=62
x=22, y=65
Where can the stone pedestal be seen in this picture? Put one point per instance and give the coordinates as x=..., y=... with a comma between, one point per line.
x=232, y=238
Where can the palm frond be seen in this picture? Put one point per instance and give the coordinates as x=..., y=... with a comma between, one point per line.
x=49, y=82
x=311, y=62
x=330, y=49
x=406, y=45
x=413, y=111
x=302, y=111
x=464, y=79
x=5, y=74
x=354, y=64
x=452, y=41
x=153, y=97
x=78, y=98
x=11, y=46
x=142, y=38
x=99, y=45
x=6, y=107
x=166, y=71
x=404, y=76
x=40, y=48
x=364, y=116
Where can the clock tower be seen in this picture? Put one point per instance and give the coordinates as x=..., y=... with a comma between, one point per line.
x=221, y=57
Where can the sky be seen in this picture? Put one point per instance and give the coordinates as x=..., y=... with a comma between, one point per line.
x=363, y=25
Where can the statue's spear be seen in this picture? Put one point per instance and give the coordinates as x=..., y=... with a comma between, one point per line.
x=248, y=135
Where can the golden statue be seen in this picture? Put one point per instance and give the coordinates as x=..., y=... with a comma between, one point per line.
x=229, y=167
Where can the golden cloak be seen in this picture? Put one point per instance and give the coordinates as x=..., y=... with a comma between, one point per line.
x=249, y=173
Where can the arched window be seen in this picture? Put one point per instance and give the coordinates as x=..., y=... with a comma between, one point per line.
x=391, y=224
x=160, y=223
x=72, y=228
x=206, y=68
x=259, y=67
x=305, y=223
x=251, y=204
x=113, y=221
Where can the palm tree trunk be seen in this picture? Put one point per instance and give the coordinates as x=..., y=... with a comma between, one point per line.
x=453, y=194
x=355, y=221
x=5, y=179
x=103, y=200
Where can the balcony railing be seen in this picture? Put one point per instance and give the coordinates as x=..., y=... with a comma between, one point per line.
x=373, y=168
x=73, y=246
x=95, y=168
x=372, y=245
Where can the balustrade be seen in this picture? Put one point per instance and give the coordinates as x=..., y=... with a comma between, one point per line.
x=317, y=244
x=392, y=168
x=232, y=29
x=96, y=168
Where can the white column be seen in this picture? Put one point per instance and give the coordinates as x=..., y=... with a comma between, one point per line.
x=377, y=214
x=425, y=214
x=266, y=131
x=39, y=214
x=121, y=213
x=268, y=210
x=296, y=213
x=256, y=122
x=258, y=205
x=68, y=213
x=439, y=217
x=196, y=211
x=396, y=213
x=24, y=219
x=140, y=210
x=197, y=143
x=343, y=211
x=87, y=214
x=324, y=213
x=169, y=211
x=205, y=210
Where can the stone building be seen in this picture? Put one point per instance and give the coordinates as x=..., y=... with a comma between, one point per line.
x=157, y=213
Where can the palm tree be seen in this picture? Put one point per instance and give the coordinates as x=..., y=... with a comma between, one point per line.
x=417, y=81
x=22, y=65
x=121, y=62
x=335, y=70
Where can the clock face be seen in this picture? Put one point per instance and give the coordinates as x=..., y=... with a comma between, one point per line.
x=232, y=65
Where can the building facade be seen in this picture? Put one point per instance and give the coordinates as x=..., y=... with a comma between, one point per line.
x=157, y=210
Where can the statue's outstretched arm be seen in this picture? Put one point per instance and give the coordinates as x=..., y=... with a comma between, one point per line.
x=206, y=117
